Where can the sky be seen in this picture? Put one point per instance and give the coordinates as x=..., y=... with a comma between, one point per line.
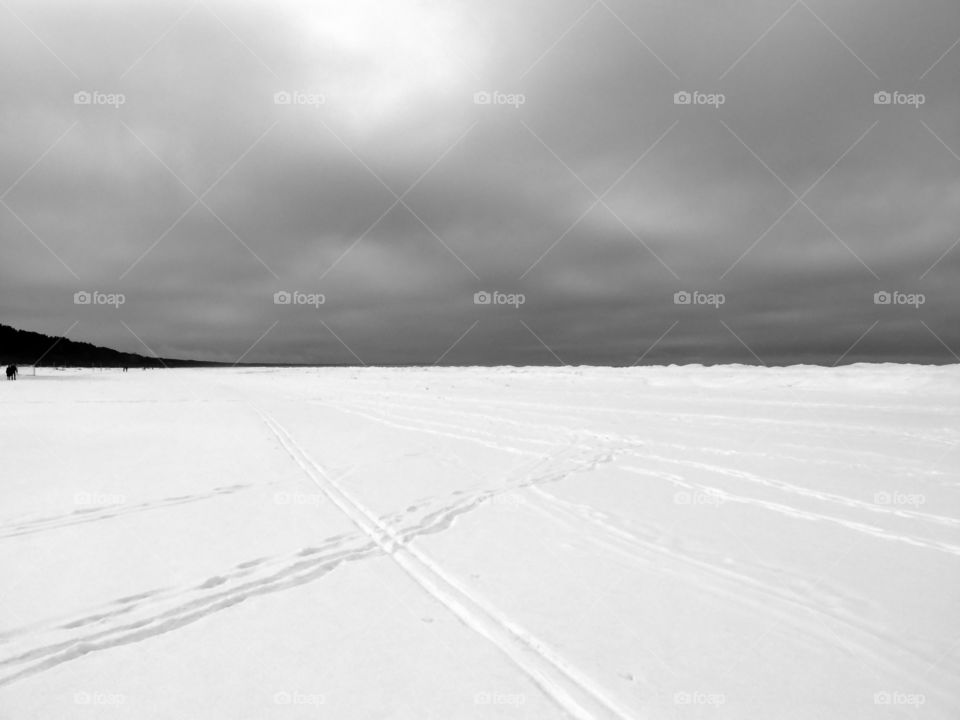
x=484, y=182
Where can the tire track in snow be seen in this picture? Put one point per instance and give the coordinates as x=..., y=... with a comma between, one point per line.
x=782, y=486
x=793, y=489
x=923, y=409
x=867, y=637
x=569, y=687
x=708, y=419
x=679, y=480
x=754, y=592
x=532, y=409
x=797, y=513
x=749, y=591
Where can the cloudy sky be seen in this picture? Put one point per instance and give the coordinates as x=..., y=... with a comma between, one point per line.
x=395, y=158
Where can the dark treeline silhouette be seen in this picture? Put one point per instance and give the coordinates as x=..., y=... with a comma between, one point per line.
x=22, y=347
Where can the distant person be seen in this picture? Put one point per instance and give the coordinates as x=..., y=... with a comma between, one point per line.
x=12, y=372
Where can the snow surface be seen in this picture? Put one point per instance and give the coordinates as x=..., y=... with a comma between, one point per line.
x=682, y=542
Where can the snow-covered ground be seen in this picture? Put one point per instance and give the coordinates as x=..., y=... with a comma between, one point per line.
x=692, y=542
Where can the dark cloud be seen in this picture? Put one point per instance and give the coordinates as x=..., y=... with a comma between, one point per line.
x=384, y=187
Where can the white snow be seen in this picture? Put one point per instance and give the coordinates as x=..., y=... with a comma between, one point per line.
x=683, y=542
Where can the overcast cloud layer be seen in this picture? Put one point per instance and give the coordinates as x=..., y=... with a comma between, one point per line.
x=190, y=185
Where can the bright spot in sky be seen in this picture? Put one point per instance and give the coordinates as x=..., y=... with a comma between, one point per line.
x=376, y=57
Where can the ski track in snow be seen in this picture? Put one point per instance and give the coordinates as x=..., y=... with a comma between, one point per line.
x=547, y=452
x=138, y=617
x=569, y=687
x=142, y=615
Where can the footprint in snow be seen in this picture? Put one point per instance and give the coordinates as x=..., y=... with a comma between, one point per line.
x=134, y=598
x=212, y=582
x=250, y=563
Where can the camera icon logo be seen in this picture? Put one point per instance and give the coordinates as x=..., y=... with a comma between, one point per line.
x=82, y=298
x=82, y=98
x=482, y=98
x=282, y=297
x=482, y=298
x=882, y=298
x=682, y=297
x=682, y=98
x=282, y=98
x=882, y=98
